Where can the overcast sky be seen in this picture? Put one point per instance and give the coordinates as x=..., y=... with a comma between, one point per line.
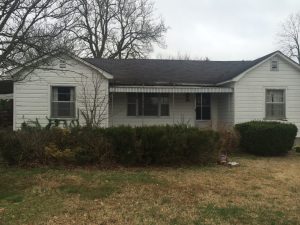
x=223, y=29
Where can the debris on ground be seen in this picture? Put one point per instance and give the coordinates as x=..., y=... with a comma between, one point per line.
x=223, y=160
x=232, y=164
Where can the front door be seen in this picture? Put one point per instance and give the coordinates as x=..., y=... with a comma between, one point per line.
x=203, y=109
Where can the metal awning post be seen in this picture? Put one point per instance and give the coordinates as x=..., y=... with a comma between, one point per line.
x=173, y=106
x=112, y=109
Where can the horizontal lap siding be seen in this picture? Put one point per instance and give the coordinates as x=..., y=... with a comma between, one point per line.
x=250, y=92
x=225, y=110
x=32, y=96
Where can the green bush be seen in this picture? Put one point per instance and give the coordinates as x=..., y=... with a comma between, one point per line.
x=297, y=149
x=10, y=148
x=122, y=140
x=267, y=138
x=139, y=146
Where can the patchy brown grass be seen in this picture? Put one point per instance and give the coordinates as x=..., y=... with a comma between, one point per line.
x=260, y=191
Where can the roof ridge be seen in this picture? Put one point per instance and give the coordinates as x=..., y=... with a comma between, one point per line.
x=170, y=60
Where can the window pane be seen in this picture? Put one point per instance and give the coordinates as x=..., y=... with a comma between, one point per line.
x=205, y=113
x=131, y=98
x=275, y=111
x=151, y=104
x=140, y=104
x=131, y=104
x=198, y=113
x=164, y=110
x=198, y=99
x=164, y=99
x=205, y=99
x=64, y=94
x=275, y=96
x=63, y=109
x=203, y=106
x=131, y=109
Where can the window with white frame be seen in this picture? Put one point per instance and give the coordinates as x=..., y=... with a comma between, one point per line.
x=275, y=104
x=62, y=102
x=148, y=104
x=274, y=65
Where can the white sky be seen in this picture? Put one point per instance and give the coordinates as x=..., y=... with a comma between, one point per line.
x=223, y=29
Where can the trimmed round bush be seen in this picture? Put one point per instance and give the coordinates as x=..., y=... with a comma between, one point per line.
x=267, y=138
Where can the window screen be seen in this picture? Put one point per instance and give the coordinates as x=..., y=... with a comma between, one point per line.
x=275, y=104
x=63, y=102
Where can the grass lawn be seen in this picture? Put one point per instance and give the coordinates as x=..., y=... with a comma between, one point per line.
x=260, y=191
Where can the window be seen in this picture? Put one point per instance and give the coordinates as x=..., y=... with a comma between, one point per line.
x=274, y=65
x=147, y=104
x=187, y=97
x=164, y=105
x=131, y=105
x=151, y=105
x=63, y=102
x=203, y=106
x=62, y=64
x=275, y=104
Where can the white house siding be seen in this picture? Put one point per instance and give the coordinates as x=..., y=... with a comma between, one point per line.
x=32, y=95
x=250, y=92
x=225, y=110
x=181, y=112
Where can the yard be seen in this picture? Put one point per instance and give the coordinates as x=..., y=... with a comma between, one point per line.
x=260, y=191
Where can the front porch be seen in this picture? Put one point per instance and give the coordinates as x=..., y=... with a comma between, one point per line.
x=203, y=107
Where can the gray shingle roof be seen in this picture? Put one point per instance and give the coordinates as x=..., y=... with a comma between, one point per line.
x=6, y=87
x=172, y=72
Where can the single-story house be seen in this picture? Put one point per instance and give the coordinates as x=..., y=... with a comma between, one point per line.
x=137, y=92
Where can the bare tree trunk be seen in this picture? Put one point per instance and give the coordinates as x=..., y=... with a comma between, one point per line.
x=94, y=100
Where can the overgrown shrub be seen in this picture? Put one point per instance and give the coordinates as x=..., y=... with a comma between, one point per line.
x=297, y=149
x=267, y=138
x=229, y=141
x=140, y=146
x=10, y=148
x=164, y=145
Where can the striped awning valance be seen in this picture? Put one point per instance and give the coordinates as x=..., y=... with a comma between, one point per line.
x=169, y=89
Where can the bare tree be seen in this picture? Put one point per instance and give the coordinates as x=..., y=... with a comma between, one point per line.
x=289, y=37
x=117, y=28
x=94, y=100
x=30, y=29
x=181, y=56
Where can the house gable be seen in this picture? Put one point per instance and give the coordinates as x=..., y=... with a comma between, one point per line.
x=250, y=90
x=52, y=63
x=32, y=96
x=276, y=55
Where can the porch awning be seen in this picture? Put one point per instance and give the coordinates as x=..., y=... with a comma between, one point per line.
x=169, y=89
